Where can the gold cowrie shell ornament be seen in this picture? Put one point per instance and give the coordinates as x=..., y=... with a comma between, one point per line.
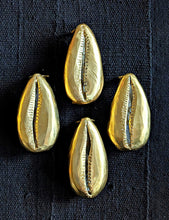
x=38, y=118
x=83, y=73
x=129, y=125
x=88, y=166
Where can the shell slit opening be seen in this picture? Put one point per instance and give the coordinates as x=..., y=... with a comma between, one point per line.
x=87, y=172
x=35, y=114
x=83, y=65
x=130, y=99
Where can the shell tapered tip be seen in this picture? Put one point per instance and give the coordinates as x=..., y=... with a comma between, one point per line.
x=127, y=75
x=45, y=76
x=72, y=32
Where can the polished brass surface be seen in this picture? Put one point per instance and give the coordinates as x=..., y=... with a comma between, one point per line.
x=38, y=117
x=83, y=74
x=129, y=125
x=88, y=167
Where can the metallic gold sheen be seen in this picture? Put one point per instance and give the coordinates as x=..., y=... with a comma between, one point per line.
x=83, y=74
x=88, y=167
x=38, y=117
x=129, y=125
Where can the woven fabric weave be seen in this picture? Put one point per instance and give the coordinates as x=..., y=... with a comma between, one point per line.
x=133, y=36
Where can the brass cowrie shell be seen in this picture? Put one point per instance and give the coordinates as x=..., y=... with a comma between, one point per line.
x=129, y=125
x=88, y=166
x=38, y=118
x=83, y=73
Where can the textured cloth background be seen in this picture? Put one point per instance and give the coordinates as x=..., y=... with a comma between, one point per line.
x=133, y=36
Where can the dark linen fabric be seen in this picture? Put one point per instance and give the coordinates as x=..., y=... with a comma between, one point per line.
x=133, y=36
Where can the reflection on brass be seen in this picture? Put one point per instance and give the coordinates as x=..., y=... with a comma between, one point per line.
x=83, y=74
x=129, y=125
x=88, y=167
x=38, y=117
